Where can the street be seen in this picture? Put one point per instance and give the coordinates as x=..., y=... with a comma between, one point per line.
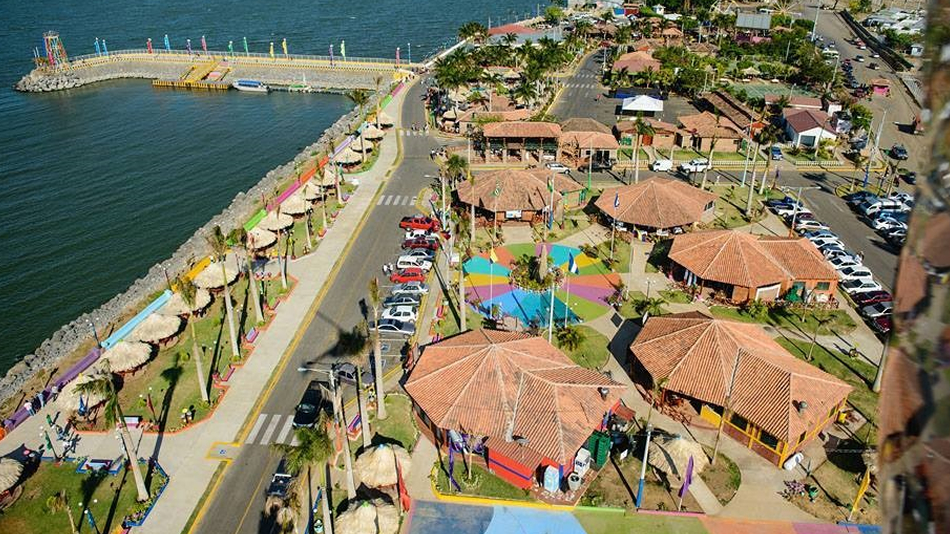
x=238, y=506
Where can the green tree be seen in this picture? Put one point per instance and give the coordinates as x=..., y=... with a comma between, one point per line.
x=360, y=97
x=640, y=128
x=219, y=253
x=569, y=337
x=455, y=166
x=313, y=447
x=240, y=237
x=103, y=386
x=188, y=292
x=650, y=306
x=553, y=14
x=861, y=117
x=59, y=502
x=473, y=30
x=376, y=301
x=755, y=309
x=353, y=347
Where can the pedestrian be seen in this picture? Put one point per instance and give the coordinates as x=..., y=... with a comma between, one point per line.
x=42, y=398
x=29, y=407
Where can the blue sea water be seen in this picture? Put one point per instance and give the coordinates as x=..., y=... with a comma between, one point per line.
x=99, y=183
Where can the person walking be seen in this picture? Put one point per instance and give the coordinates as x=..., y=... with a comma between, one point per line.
x=29, y=407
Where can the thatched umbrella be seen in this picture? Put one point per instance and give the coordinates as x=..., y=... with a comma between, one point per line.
x=69, y=397
x=377, y=466
x=359, y=146
x=372, y=133
x=295, y=205
x=369, y=517
x=10, y=471
x=670, y=454
x=510, y=74
x=155, y=328
x=311, y=190
x=128, y=355
x=329, y=176
x=384, y=119
x=275, y=221
x=450, y=115
x=210, y=277
x=259, y=239
x=349, y=157
x=176, y=305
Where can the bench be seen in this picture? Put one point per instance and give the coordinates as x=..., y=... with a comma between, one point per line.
x=252, y=335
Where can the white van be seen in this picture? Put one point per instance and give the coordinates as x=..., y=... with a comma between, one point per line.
x=870, y=209
x=661, y=165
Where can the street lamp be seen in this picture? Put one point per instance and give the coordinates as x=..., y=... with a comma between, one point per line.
x=799, y=206
x=165, y=272
x=643, y=467
x=94, y=333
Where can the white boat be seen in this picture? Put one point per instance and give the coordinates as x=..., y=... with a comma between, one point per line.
x=302, y=87
x=250, y=86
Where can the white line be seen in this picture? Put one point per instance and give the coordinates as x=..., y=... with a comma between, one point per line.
x=397, y=200
x=389, y=198
x=256, y=429
x=265, y=438
x=380, y=201
x=284, y=431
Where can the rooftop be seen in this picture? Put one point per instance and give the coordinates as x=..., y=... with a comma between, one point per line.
x=803, y=120
x=656, y=203
x=704, y=124
x=517, y=189
x=526, y=129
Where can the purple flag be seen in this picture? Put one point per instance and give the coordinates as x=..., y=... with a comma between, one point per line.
x=331, y=55
x=688, y=479
x=452, y=467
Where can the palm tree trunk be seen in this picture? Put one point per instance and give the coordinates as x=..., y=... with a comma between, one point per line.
x=229, y=308
x=283, y=263
x=325, y=506
x=196, y=355
x=463, y=324
x=471, y=237
x=709, y=166
x=378, y=371
x=140, y=489
x=347, y=459
x=362, y=148
x=361, y=403
x=748, y=203
x=72, y=522
x=765, y=176
x=252, y=285
x=636, y=161
x=307, y=227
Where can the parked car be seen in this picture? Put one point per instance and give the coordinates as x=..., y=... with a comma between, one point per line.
x=417, y=234
x=281, y=481
x=308, y=409
x=879, y=309
x=809, y=225
x=896, y=236
x=899, y=152
x=422, y=242
x=419, y=222
x=871, y=297
x=412, y=274
x=695, y=165
x=812, y=236
x=873, y=65
x=909, y=177
x=859, y=58
x=661, y=165
x=823, y=241
x=788, y=211
x=557, y=167
x=424, y=253
x=346, y=372
x=853, y=84
x=860, y=285
x=392, y=326
x=408, y=262
x=843, y=262
x=855, y=272
x=410, y=288
x=870, y=209
x=402, y=300
x=778, y=202
x=886, y=224
x=776, y=152
x=400, y=313
x=903, y=196
x=883, y=325
x=859, y=197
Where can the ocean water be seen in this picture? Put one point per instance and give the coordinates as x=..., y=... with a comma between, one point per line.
x=99, y=183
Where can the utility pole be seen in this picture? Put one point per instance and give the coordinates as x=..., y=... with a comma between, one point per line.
x=643, y=467
x=815, y=26
x=877, y=144
x=726, y=407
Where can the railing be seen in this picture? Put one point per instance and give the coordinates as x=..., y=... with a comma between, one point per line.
x=184, y=55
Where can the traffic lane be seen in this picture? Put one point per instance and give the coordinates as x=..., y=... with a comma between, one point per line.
x=575, y=100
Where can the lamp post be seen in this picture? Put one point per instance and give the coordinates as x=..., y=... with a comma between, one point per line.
x=165, y=272
x=643, y=467
x=94, y=333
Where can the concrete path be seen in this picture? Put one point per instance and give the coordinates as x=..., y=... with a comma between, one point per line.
x=424, y=456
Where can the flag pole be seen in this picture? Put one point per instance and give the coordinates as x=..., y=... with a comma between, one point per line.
x=551, y=315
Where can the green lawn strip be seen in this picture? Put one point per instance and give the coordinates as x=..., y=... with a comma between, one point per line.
x=621, y=257
x=521, y=249
x=855, y=372
x=573, y=222
x=629, y=308
x=675, y=296
x=482, y=484
x=723, y=478
x=614, y=523
x=592, y=352
x=100, y=493
x=831, y=322
x=583, y=308
x=398, y=425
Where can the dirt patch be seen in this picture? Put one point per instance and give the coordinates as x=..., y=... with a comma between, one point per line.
x=616, y=485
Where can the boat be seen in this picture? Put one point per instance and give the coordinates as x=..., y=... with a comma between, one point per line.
x=302, y=87
x=250, y=86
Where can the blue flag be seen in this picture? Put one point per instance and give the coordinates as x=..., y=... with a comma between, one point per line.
x=616, y=200
x=572, y=265
x=91, y=520
x=168, y=45
x=98, y=50
x=105, y=49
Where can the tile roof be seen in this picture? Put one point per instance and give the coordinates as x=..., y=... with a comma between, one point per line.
x=511, y=28
x=799, y=257
x=730, y=107
x=796, y=101
x=803, y=120
x=704, y=125
x=696, y=354
x=584, y=124
x=520, y=189
x=525, y=129
x=656, y=203
x=494, y=383
x=635, y=62
x=599, y=140
x=629, y=126
x=902, y=398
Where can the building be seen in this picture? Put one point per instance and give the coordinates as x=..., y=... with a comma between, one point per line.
x=664, y=134
x=582, y=138
x=742, y=267
x=645, y=105
x=634, y=62
x=759, y=23
x=658, y=204
x=796, y=101
x=524, y=140
x=521, y=398
x=730, y=107
x=519, y=195
x=778, y=404
x=698, y=132
x=806, y=127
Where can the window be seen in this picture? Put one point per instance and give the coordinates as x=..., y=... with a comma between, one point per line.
x=801, y=438
x=738, y=421
x=768, y=440
x=822, y=286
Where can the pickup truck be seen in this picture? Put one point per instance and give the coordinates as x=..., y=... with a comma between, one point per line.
x=281, y=481
x=695, y=165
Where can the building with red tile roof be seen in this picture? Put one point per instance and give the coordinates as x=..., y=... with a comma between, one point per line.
x=518, y=194
x=697, y=131
x=635, y=62
x=523, y=139
x=779, y=402
x=582, y=137
x=521, y=396
x=657, y=203
x=806, y=127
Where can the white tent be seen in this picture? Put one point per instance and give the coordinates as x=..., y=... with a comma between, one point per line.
x=642, y=103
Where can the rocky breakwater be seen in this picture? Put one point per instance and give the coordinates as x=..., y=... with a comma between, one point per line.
x=81, y=73
x=107, y=318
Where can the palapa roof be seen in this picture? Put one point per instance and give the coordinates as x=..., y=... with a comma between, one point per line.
x=636, y=61
x=803, y=120
x=311, y=189
x=155, y=328
x=384, y=119
x=377, y=466
x=696, y=354
x=519, y=189
x=704, y=125
x=176, y=304
x=348, y=156
x=501, y=384
x=656, y=203
x=259, y=238
x=211, y=278
x=376, y=517
x=295, y=204
x=519, y=129
x=371, y=132
x=69, y=397
x=275, y=221
x=746, y=260
x=10, y=471
x=127, y=355
x=584, y=125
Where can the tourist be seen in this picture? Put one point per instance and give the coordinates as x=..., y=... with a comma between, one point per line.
x=29, y=407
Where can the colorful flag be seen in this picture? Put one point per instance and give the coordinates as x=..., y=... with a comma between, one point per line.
x=343, y=49
x=283, y=45
x=688, y=479
x=204, y=44
x=82, y=406
x=403, y=490
x=105, y=49
x=168, y=45
x=272, y=49
x=148, y=45
x=98, y=50
x=616, y=200
x=572, y=265
x=492, y=256
x=452, y=467
x=865, y=482
x=91, y=521
x=245, y=45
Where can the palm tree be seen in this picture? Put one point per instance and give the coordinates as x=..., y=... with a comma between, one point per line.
x=59, y=502
x=219, y=252
x=525, y=92
x=240, y=236
x=360, y=97
x=188, y=291
x=313, y=447
x=377, y=80
x=375, y=299
x=641, y=128
x=657, y=389
x=102, y=386
x=477, y=98
x=651, y=306
x=712, y=147
x=491, y=79
x=473, y=30
x=767, y=137
x=569, y=337
x=455, y=166
x=352, y=346
x=331, y=149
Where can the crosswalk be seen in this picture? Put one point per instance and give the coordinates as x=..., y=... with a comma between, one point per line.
x=270, y=429
x=573, y=85
x=411, y=133
x=396, y=200
x=587, y=75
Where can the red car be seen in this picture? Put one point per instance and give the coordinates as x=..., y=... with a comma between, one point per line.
x=882, y=324
x=871, y=297
x=421, y=242
x=410, y=274
x=419, y=222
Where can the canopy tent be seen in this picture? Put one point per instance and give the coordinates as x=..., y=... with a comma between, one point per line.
x=258, y=238
x=10, y=471
x=211, y=277
x=176, y=304
x=671, y=454
x=510, y=74
x=642, y=103
x=372, y=133
x=155, y=328
x=295, y=204
x=128, y=355
x=368, y=517
x=751, y=71
x=276, y=221
x=377, y=466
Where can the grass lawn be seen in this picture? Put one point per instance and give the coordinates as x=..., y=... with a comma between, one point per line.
x=858, y=373
x=398, y=425
x=483, y=483
x=592, y=352
x=675, y=296
x=616, y=486
x=723, y=479
x=838, y=480
x=628, y=309
x=826, y=322
x=621, y=255
x=299, y=231
x=658, y=256
x=109, y=498
x=614, y=523
x=686, y=155
x=574, y=221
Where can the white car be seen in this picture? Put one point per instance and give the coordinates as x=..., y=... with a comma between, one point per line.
x=886, y=224
x=407, y=262
x=399, y=313
x=844, y=262
x=410, y=288
x=855, y=272
x=809, y=225
x=903, y=197
x=860, y=285
x=696, y=165
x=789, y=211
x=661, y=165
x=423, y=253
x=417, y=233
x=877, y=310
x=821, y=242
x=557, y=167
x=812, y=236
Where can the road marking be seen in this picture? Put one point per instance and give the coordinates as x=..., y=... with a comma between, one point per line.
x=380, y=201
x=282, y=437
x=265, y=438
x=256, y=429
x=389, y=199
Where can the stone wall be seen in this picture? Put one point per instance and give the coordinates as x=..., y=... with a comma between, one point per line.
x=69, y=337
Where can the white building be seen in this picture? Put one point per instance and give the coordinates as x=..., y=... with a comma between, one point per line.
x=807, y=127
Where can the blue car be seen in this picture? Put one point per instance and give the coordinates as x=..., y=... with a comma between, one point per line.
x=776, y=152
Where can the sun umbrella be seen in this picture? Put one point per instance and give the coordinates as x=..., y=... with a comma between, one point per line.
x=384, y=119
x=367, y=517
x=295, y=205
x=377, y=466
x=70, y=399
x=211, y=278
x=259, y=238
x=275, y=221
x=372, y=133
x=349, y=157
x=359, y=146
x=311, y=190
x=328, y=179
x=128, y=355
x=450, y=115
x=10, y=471
x=670, y=454
x=459, y=95
x=511, y=75
x=176, y=305
x=155, y=328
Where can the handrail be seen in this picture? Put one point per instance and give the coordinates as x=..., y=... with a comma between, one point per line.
x=237, y=57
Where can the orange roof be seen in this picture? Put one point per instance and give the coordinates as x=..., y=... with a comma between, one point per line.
x=656, y=203
x=747, y=260
x=511, y=28
x=584, y=124
x=518, y=189
x=597, y=140
x=696, y=354
x=910, y=287
x=704, y=125
x=519, y=129
x=630, y=126
x=502, y=384
x=635, y=62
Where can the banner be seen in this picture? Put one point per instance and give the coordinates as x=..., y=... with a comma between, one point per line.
x=168, y=45
x=148, y=45
x=688, y=479
x=204, y=44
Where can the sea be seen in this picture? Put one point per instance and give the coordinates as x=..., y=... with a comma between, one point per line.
x=99, y=183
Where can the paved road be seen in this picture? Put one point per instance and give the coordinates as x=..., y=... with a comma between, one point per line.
x=238, y=505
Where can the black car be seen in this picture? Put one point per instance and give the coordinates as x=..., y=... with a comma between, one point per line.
x=899, y=152
x=281, y=482
x=853, y=84
x=910, y=177
x=308, y=410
